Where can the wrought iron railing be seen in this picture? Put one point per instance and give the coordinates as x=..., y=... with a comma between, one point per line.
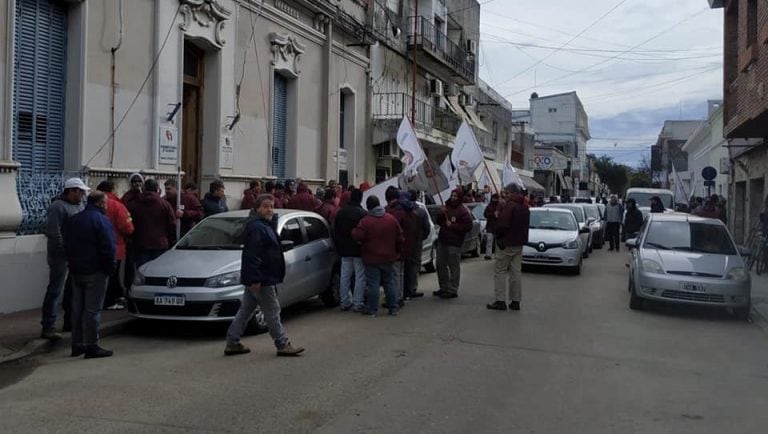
x=424, y=34
x=395, y=106
x=36, y=191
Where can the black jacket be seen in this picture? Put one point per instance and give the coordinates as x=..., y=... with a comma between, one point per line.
x=89, y=240
x=347, y=219
x=262, y=260
x=633, y=220
x=213, y=205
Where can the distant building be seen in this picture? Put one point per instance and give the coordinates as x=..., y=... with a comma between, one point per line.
x=668, y=150
x=705, y=148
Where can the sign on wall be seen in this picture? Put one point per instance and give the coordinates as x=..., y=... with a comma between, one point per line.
x=169, y=145
x=227, y=153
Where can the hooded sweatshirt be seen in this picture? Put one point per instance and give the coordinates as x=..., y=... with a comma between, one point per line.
x=154, y=222
x=303, y=199
x=403, y=210
x=455, y=222
x=380, y=237
x=131, y=195
x=513, y=222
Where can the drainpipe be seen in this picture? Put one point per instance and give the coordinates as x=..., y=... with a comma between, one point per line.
x=329, y=90
x=113, y=84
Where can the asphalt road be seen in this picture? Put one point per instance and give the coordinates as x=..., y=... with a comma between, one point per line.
x=574, y=360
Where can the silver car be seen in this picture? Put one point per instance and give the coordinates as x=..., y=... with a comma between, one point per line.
x=553, y=239
x=598, y=225
x=199, y=278
x=429, y=245
x=581, y=217
x=472, y=241
x=681, y=258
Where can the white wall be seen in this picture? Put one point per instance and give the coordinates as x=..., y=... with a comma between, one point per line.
x=24, y=273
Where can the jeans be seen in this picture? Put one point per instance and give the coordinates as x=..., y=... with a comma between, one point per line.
x=399, y=270
x=489, y=244
x=378, y=275
x=352, y=268
x=266, y=297
x=612, y=230
x=58, y=272
x=507, y=274
x=144, y=256
x=87, y=297
x=114, y=287
x=411, y=274
x=448, y=268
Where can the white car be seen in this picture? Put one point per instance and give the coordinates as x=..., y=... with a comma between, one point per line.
x=554, y=239
x=581, y=217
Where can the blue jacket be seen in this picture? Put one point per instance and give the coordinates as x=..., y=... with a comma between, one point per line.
x=89, y=242
x=213, y=205
x=262, y=260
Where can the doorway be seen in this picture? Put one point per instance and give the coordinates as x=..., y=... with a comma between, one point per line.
x=192, y=133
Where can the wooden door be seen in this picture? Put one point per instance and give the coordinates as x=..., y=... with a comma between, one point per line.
x=190, y=137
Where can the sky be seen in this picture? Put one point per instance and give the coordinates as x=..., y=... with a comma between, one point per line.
x=633, y=63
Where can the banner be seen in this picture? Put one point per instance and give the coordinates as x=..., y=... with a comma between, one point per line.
x=379, y=191
x=413, y=154
x=680, y=195
x=446, y=194
x=429, y=178
x=510, y=176
x=466, y=155
x=446, y=167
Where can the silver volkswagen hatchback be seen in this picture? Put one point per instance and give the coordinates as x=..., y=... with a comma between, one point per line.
x=199, y=278
x=681, y=258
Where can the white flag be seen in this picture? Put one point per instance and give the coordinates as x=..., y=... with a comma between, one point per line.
x=379, y=190
x=680, y=195
x=466, y=155
x=413, y=154
x=510, y=176
x=426, y=179
x=446, y=194
x=446, y=167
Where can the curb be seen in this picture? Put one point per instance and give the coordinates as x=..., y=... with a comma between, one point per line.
x=40, y=346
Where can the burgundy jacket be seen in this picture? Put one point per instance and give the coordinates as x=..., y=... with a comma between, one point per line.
x=303, y=199
x=410, y=224
x=380, y=236
x=460, y=224
x=193, y=210
x=249, y=198
x=154, y=222
x=328, y=211
x=129, y=197
x=512, y=225
x=490, y=217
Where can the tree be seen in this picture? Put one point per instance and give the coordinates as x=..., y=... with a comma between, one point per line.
x=639, y=179
x=613, y=174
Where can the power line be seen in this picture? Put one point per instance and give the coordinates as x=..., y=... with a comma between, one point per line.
x=470, y=7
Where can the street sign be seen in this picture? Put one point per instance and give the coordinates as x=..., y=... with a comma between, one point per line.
x=709, y=183
x=709, y=173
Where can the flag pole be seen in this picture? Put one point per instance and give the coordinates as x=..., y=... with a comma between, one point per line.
x=490, y=176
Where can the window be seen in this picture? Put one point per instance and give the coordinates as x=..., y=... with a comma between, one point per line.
x=316, y=229
x=495, y=129
x=292, y=232
x=751, y=22
x=342, y=110
x=552, y=110
x=690, y=237
x=279, y=125
x=216, y=234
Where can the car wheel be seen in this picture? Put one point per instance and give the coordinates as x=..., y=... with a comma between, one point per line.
x=742, y=313
x=635, y=302
x=257, y=324
x=576, y=271
x=585, y=255
x=476, y=251
x=330, y=297
x=429, y=267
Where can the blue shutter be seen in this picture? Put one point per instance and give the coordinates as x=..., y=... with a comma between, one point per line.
x=279, y=125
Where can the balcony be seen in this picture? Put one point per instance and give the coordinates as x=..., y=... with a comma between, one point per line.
x=438, y=54
x=395, y=106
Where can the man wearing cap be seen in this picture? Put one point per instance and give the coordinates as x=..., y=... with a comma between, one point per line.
x=137, y=182
x=62, y=208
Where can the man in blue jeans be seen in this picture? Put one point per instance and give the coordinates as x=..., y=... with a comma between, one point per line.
x=381, y=240
x=62, y=208
x=352, y=267
x=89, y=238
x=263, y=267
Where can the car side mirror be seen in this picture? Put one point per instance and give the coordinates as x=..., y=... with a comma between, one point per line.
x=631, y=243
x=287, y=245
x=744, y=251
x=591, y=220
x=584, y=230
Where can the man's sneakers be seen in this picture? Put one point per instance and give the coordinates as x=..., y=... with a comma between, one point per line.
x=447, y=295
x=497, y=305
x=96, y=352
x=50, y=334
x=515, y=305
x=416, y=294
x=487, y=257
x=289, y=350
x=235, y=349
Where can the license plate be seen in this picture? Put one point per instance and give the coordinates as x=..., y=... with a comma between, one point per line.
x=690, y=286
x=169, y=300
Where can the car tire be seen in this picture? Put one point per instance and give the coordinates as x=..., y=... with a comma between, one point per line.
x=429, y=267
x=257, y=324
x=330, y=297
x=635, y=302
x=742, y=313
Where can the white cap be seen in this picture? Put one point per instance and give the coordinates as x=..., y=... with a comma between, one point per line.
x=76, y=183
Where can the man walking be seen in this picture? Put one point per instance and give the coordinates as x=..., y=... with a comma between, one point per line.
x=215, y=201
x=381, y=242
x=122, y=224
x=90, y=246
x=511, y=235
x=190, y=212
x=351, y=263
x=263, y=267
x=490, y=224
x=154, y=224
x=62, y=208
x=614, y=214
x=455, y=222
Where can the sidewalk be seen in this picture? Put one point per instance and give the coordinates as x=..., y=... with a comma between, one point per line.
x=760, y=295
x=20, y=332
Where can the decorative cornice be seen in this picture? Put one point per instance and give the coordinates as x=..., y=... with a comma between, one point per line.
x=287, y=51
x=206, y=14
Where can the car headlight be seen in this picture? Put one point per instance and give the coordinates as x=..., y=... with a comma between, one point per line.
x=650, y=266
x=222, y=280
x=573, y=244
x=737, y=273
x=138, y=278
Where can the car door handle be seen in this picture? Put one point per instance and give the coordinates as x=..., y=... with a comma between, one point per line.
x=307, y=258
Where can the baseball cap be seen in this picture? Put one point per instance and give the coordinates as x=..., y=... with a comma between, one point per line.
x=76, y=183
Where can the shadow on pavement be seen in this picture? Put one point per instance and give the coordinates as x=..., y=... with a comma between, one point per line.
x=706, y=313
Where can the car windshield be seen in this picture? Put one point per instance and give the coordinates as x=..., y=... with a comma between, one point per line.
x=591, y=212
x=478, y=212
x=576, y=209
x=689, y=237
x=215, y=234
x=644, y=199
x=556, y=221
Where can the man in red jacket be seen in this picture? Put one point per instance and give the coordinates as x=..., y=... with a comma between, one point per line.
x=191, y=210
x=328, y=208
x=511, y=235
x=454, y=221
x=303, y=199
x=381, y=241
x=122, y=224
x=154, y=222
x=250, y=195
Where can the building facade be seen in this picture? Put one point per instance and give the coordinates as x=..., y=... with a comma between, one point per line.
x=705, y=147
x=668, y=151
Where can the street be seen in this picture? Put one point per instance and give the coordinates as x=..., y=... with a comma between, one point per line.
x=575, y=359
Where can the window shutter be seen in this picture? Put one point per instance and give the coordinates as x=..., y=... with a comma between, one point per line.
x=279, y=122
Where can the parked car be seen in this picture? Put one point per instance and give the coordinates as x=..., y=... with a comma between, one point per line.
x=429, y=245
x=199, y=278
x=581, y=218
x=583, y=200
x=472, y=240
x=598, y=225
x=554, y=239
x=478, y=211
x=642, y=197
x=679, y=258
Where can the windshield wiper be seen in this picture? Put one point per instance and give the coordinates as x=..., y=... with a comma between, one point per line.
x=658, y=246
x=552, y=228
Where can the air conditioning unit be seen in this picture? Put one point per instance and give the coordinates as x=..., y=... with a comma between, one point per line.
x=471, y=46
x=436, y=87
x=466, y=100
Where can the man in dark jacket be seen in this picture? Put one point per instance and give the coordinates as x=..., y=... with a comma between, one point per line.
x=154, y=224
x=614, y=213
x=191, y=210
x=633, y=220
x=511, y=235
x=399, y=205
x=455, y=222
x=90, y=245
x=381, y=242
x=136, y=182
x=263, y=267
x=303, y=199
x=61, y=209
x=352, y=266
x=490, y=224
x=215, y=201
